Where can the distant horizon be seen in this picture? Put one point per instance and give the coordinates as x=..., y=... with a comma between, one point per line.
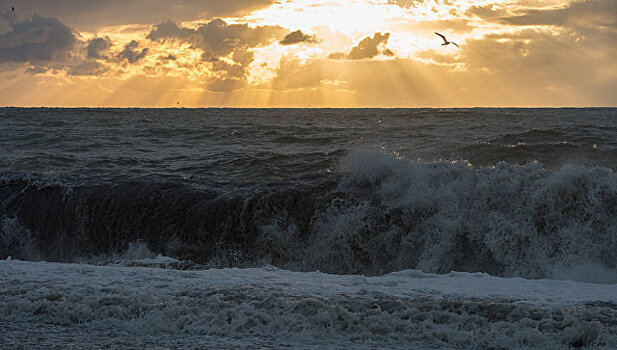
x=325, y=107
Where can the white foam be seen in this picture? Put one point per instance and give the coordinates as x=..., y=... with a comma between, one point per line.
x=511, y=220
x=126, y=307
x=136, y=254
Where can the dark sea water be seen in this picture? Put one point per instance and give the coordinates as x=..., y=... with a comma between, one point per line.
x=511, y=192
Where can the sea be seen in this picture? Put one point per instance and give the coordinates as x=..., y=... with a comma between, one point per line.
x=221, y=228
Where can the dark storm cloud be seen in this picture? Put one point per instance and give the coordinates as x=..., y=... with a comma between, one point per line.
x=131, y=53
x=98, y=46
x=367, y=48
x=42, y=45
x=298, y=37
x=36, y=39
x=217, y=39
x=87, y=14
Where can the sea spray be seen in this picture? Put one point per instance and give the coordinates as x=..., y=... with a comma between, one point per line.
x=379, y=213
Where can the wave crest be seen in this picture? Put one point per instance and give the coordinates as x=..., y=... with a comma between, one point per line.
x=379, y=214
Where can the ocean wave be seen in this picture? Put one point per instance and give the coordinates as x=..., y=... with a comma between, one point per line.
x=552, y=147
x=553, y=155
x=379, y=213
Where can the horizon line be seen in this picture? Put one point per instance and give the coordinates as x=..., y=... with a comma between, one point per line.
x=308, y=107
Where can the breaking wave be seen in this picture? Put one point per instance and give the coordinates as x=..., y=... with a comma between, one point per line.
x=377, y=214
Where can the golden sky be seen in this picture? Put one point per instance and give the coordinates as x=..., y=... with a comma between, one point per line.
x=299, y=53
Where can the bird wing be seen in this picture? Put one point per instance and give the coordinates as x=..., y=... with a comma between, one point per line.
x=455, y=44
x=443, y=37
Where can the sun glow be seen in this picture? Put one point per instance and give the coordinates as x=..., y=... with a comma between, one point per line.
x=352, y=17
x=349, y=53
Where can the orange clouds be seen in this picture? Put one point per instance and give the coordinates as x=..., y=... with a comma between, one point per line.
x=384, y=53
x=367, y=48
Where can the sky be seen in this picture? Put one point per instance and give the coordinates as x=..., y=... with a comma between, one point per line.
x=308, y=53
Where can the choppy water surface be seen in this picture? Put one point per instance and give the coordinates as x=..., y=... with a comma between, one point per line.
x=229, y=145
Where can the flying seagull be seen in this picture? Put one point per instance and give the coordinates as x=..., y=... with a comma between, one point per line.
x=446, y=42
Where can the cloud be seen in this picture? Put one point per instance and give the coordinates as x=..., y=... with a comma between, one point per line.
x=588, y=26
x=36, y=70
x=227, y=47
x=170, y=57
x=535, y=66
x=225, y=84
x=36, y=39
x=98, y=46
x=292, y=74
x=406, y=3
x=42, y=45
x=131, y=53
x=298, y=37
x=367, y=48
x=87, y=68
x=336, y=56
x=526, y=65
x=515, y=53
x=531, y=59
x=170, y=30
x=592, y=13
x=217, y=38
x=91, y=14
x=393, y=82
x=486, y=12
x=577, y=14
